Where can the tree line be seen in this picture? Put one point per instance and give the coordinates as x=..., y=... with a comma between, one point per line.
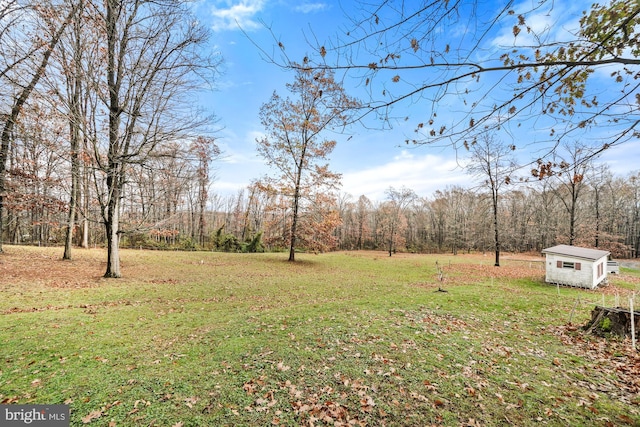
x=599, y=209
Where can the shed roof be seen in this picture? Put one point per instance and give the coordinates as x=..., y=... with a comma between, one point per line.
x=577, y=252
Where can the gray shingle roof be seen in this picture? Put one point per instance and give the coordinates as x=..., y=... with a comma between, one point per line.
x=576, y=251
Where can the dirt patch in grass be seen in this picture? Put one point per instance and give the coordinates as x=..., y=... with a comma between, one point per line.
x=46, y=268
x=25, y=265
x=464, y=272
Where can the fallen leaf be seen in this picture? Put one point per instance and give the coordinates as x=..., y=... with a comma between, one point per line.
x=282, y=367
x=429, y=385
x=190, y=401
x=94, y=415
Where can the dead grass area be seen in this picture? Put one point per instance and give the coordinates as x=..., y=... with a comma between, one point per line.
x=470, y=269
x=626, y=278
x=462, y=273
x=613, y=288
x=33, y=266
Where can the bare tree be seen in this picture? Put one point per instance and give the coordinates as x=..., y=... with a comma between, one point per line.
x=492, y=161
x=152, y=58
x=363, y=211
x=399, y=200
x=572, y=165
x=205, y=150
x=600, y=179
x=70, y=57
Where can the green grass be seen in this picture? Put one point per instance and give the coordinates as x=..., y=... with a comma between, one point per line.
x=213, y=339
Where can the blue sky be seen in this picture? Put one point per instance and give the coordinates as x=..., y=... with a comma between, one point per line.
x=371, y=161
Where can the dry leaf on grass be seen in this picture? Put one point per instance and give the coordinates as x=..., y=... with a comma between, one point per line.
x=93, y=415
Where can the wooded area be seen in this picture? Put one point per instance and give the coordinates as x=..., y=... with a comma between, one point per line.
x=101, y=145
x=456, y=219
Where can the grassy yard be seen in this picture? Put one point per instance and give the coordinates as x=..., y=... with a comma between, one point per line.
x=213, y=339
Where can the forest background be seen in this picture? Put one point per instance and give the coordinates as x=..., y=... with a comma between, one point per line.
x=102, y=136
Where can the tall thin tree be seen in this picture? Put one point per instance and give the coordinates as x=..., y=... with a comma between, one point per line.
x=294, y=143
x=492, y=161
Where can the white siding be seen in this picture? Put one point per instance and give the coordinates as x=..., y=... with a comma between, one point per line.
x=585, y=273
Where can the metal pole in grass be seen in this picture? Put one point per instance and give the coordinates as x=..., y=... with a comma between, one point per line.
x=573, y=309
x=633, y=324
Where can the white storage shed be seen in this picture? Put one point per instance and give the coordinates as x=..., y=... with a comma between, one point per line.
x=575, y=266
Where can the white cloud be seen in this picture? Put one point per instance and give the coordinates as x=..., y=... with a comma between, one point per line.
x=239, y=149
x=621, y=159
x=554, y=22
x=235, y=14
x=240, y=163
x=311, y=7
x=423, y=174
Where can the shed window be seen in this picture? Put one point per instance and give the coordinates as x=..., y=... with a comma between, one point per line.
x=569, y=264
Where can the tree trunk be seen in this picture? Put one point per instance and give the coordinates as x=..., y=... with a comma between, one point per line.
x=74, y=130
x=296, y=206
x=572, y=223
x=294, y=223
x=495, y=227
x=113, y=248
x=86, y=195
x=114, y=167
x=597, y=207
x=68, y=241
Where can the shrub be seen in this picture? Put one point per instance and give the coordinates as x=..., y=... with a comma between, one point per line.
x=255, y=244
x=226, y=242
x=188, y=244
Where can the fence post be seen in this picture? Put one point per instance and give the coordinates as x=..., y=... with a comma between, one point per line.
x=633, y=324
x=574, y=309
